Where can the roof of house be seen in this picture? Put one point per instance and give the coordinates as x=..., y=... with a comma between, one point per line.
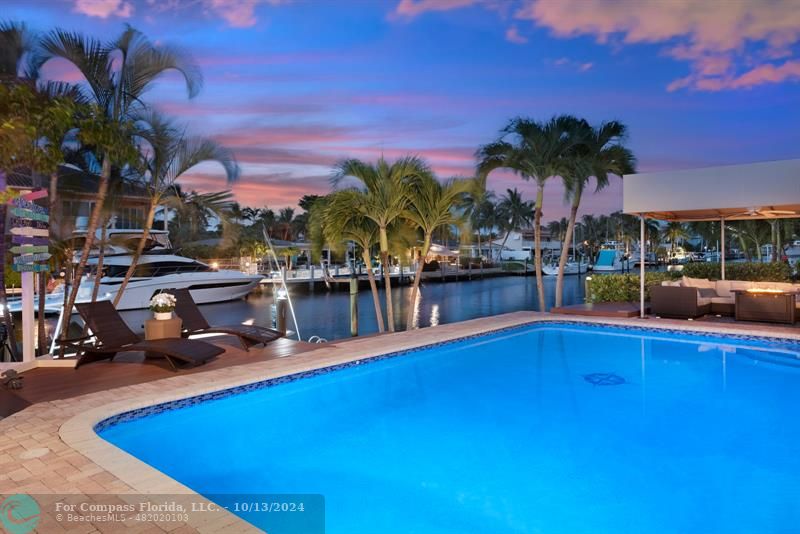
x=74, y=180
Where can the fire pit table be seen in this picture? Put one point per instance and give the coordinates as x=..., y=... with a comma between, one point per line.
x=766, y=305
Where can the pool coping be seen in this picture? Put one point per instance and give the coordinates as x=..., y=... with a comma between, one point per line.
x=75, y=427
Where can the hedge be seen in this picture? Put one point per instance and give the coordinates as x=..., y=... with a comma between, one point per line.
x=748, y=271
x=623, y=287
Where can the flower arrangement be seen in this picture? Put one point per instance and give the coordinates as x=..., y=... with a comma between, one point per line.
x=162, y=303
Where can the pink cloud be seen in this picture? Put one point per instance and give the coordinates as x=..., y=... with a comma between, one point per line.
x=712, y=38
x=513, y=36
x=237, y=13
x=580, y=66
x=770, y=73
x=413, y=8
x=104, y=8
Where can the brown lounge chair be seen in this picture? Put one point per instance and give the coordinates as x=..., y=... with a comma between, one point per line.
x=195, y=323
x=113, y=335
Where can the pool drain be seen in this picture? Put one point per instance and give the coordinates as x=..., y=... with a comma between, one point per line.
x=604, y=379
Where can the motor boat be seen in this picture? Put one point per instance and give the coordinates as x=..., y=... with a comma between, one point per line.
x=611, y=258
x=156, y=273
x=571, y=267
x=158, y=270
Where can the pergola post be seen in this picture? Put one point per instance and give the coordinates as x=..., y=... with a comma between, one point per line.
x=722, y=246
x=642, y=261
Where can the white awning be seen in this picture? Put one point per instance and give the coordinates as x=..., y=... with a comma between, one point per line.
x=751, y=191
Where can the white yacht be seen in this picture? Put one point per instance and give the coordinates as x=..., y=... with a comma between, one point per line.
x=571, y=267
x=157, y=270
x=155, y=273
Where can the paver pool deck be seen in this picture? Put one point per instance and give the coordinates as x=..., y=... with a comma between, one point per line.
x=50, y=448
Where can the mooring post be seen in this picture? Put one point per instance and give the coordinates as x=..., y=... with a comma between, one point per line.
x=280, y=309
x=353, y=303
x=311, y=279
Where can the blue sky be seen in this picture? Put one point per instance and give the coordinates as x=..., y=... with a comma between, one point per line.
x=293, y=86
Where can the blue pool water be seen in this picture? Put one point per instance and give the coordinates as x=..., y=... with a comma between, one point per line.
x=547, y=428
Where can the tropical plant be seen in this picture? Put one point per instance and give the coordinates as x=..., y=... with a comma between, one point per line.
x=596, y=152
x=536, y=152
x=479, y=210
x=116, y=74
x=431, y=205
x=336, y=219
x=167, y=157
x=674, y=233
x=386, y=196
x=512, y=214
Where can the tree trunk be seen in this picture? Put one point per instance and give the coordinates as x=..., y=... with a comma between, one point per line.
x=376, y=299
x=387, y=279
x=151, y=214
x=417, y=277
x=98, y=273
x=102, y=191
x=562, y=261
x=500, y=254
x=537, y=243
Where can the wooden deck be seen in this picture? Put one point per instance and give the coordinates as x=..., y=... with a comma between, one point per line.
x=53, y=383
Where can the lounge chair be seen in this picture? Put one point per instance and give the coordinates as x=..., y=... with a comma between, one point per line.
x=113, y=335
x=195, y=323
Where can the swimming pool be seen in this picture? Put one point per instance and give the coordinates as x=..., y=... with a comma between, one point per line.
x=551, y=427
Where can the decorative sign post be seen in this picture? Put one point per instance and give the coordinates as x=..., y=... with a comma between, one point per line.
x=30, y=231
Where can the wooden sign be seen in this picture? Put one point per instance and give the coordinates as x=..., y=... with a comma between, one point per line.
x=29, y=249
x=28, y=231
x=28, y=240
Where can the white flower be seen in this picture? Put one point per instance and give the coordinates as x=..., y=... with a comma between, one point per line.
x=162, y=302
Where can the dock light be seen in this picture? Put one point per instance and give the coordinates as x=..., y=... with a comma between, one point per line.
x=281, y=293
x=215, y=265
x=247, y=264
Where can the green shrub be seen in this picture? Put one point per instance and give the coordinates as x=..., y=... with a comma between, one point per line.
x=623, y=287
x=747, y=271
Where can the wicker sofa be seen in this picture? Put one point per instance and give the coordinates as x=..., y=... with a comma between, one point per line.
x=694, y=297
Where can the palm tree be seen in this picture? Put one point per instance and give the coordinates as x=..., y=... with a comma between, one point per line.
x=338, y=219
x=284, y=223
x=535, y=152
x=386, y=187
x=513, y=213
x=675, y=232
x=432, y=205
x=596, y=152
x=558, y=229
x=170, y=155
x=116, y=74
x=479, y=210
x=194, y=211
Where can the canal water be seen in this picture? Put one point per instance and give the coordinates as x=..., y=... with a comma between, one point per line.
x=327, y=313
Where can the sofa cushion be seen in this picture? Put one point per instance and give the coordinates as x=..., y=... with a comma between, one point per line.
x=671, y=283
x=706, y=292
x=703, y=301
x=697, y=282
x=723, y=288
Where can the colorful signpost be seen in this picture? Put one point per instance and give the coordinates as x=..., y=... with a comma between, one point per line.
x=30, y=225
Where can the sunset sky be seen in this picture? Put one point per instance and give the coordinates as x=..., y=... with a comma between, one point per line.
x=293, y=86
